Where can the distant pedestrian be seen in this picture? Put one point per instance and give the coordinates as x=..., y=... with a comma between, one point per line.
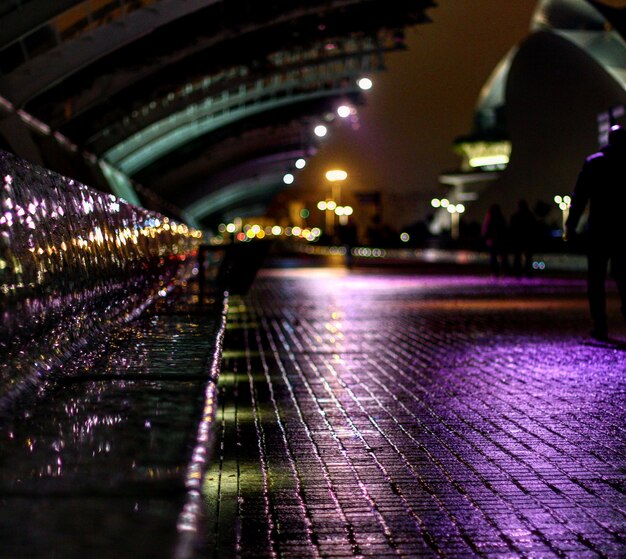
x=348, y=238
x=602, y=184
x=523, y=235
x=495, y=235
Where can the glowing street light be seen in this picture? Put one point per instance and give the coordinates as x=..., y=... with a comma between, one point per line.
x=288, y=178
x=320, y=130
x=335, y=177
x=365, y=83
x=455, y=211
x=300, y=163
x=344, y=111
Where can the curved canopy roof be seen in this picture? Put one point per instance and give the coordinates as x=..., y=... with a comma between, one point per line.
x=197, y=104
x=596, y=27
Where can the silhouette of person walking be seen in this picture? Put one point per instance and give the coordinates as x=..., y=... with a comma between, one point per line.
x=602, y=184
x=523, y=234
x=495, y=232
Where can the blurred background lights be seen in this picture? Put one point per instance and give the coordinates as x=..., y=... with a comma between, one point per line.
x=405, y=237
x=231, y=228
x=300, y=163
x=321, y=205
x=365, y=83
x=288, y=178
x=320, y=130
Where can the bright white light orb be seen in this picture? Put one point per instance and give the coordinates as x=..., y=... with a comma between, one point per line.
x=300, y=163
x=320, y=130
x=344, y=111
x=365, y=84
x=288, y=178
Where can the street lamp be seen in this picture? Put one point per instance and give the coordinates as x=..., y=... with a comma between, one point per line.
x=455, y=211
x=335, y=177
x=563, y=203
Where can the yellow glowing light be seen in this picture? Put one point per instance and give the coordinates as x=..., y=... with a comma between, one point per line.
x=231, y=228
x=435, y=203
x=321, y=205
x=296, y=231
x=348, y=210
x=260, y=234
x=250, y=234
x=331, y=205
x=487, y=160
x=277, y=230
x=339, y=210
x=336, y=175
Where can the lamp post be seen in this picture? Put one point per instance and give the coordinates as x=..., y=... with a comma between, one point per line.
x=335, y=177
x=455, y=211
x=563, y=203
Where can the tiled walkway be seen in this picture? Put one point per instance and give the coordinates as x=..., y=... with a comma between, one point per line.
x=407, y=416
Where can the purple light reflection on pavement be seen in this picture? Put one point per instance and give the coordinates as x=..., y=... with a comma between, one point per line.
x=451, y=416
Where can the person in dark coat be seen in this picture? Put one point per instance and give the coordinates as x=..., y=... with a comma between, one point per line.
x=523, y=235
x=495, y=234
x=601, y=184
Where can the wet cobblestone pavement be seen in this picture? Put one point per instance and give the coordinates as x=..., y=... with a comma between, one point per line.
x=95, y=466
x=403, y=416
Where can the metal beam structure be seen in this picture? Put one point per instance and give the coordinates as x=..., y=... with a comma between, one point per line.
x=142, y=88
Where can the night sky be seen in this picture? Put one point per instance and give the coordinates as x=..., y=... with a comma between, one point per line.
x=421, y=104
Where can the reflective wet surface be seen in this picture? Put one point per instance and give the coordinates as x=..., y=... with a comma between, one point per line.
x=73, y=262
x=96, y=464
x=389, y=415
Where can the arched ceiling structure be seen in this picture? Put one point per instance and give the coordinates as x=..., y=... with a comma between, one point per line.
x=195, y=106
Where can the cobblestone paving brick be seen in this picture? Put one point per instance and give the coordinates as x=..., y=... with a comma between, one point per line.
x=400, y=416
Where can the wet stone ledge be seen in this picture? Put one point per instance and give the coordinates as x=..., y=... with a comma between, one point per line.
x=74, y=263
x=99, y=465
